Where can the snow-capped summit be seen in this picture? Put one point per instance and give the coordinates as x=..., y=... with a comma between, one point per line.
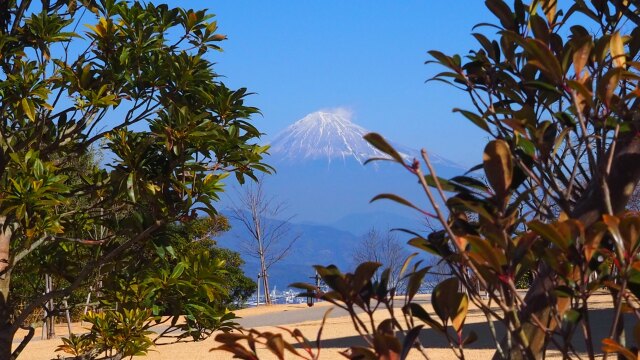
x=323, y=135
x=331, y=135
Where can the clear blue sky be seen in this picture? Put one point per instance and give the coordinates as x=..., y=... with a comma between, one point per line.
x=367, y=56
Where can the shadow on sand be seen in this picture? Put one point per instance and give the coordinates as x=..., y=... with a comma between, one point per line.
x=600, y=320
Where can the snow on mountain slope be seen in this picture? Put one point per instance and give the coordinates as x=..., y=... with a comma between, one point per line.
x=325, y=135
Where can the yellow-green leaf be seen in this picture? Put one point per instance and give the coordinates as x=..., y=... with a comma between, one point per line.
x=581, y=56
x=29, y=109
x=549, y=8
x=498, y=166
x=617, y=50
x=459, y=312
x=450, y=304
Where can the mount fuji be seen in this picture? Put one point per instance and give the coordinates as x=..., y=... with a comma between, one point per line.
x=320, y=168
x=330, y=136
x=323, y=136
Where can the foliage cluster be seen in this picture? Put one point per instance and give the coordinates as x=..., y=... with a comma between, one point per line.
x=180, y=283
x=136, y=80
x=113, y=333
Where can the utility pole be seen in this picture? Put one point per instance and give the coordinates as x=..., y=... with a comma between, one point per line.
x=311, y=297
x=48, y=328
x=258, y=293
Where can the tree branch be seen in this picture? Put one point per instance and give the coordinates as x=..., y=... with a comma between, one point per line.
x=84, y=273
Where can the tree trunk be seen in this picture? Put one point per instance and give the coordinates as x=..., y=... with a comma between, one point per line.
x=5, y=245
x=6, y=328
x=265, y=281
x=267, y=295
x=6, y=340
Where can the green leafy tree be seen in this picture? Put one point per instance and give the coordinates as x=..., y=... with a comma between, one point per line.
x=179, y=272
x=137, y=80
x=190, y=284
x=239, y=287
x=198, y=236
x=28, y=277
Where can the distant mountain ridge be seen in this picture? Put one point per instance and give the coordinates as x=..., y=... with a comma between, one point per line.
x=317, y=245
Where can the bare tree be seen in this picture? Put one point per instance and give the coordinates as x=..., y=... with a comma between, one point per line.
x=270, y=235
x=382, y=247
x=634, y=201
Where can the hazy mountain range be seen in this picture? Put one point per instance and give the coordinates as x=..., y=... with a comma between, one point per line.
x=320, y=175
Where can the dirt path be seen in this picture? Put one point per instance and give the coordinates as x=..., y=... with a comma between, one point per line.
x=338, y=334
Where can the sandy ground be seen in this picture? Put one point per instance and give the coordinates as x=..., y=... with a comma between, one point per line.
x=338, y=335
